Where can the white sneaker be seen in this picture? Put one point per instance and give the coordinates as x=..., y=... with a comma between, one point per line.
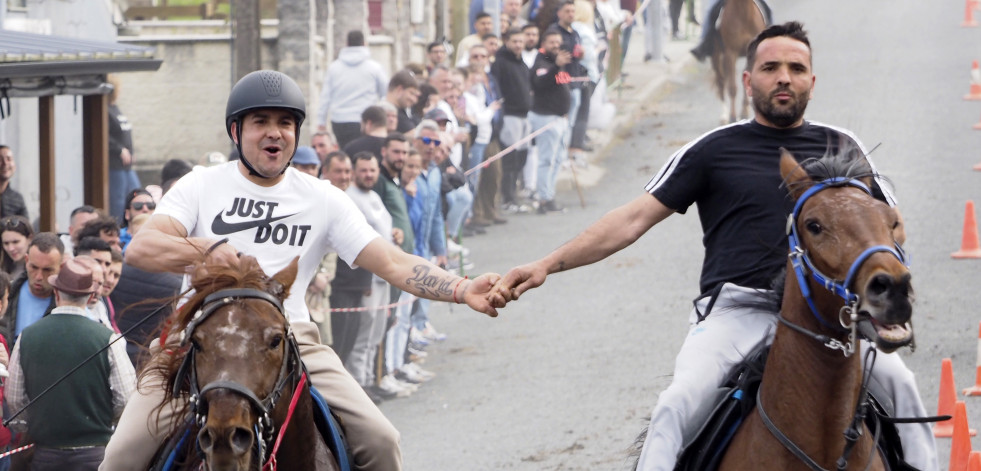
x=430, y=333
x=416, y=370
x=454, y=249
x=392, y=386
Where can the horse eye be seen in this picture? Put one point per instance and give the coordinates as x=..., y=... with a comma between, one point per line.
x=276, y=341
x=813, y=227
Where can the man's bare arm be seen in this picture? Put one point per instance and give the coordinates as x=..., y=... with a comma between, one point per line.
x=424, y=279
x=162, y=245
x=616, y=230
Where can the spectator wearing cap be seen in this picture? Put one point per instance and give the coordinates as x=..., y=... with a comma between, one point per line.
x=305, y=160
x=138, y=201
x=71, y=423
x=374, y=125
x=403, y=92
x=31, y=297
x=352, y=83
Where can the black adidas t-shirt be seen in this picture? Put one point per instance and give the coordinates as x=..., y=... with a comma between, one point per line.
x=732, y=174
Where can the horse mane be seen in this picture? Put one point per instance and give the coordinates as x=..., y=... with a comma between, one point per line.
x=204, y=280
x=842, y=159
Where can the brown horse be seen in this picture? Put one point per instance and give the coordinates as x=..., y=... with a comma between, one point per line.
x=239, y=374
x=846, y=271
x=739, y=22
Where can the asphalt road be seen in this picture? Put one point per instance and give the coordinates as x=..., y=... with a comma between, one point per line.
x=565, y=377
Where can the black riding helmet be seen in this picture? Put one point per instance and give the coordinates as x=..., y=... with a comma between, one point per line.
x=264, y=89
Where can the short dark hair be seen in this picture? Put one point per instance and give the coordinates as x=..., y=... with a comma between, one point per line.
x=487, y=36
x=336, y=155
x=89, y=244
x=430, y=46
x=481, y=16
x=95, y=227
x=375, y=115
x=394, y=136
x=129, y=202
x=355, y=38
x=364, y=155
x=511, y=32
x=790, y=29
x=405, y=79
x=174, y=169
x=529, y=26
x=46, y=241
x=85, y=208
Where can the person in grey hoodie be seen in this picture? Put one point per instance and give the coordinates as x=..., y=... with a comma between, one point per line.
x=352, y=83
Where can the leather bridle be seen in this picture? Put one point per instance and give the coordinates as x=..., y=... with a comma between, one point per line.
x=288, y=371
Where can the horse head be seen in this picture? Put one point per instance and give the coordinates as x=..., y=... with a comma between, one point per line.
x=239, y=359
x=846, y=247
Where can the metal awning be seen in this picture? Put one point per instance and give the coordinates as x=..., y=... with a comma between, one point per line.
x=42, y=66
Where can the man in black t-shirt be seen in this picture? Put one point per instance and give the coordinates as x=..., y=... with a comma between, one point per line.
x=732, y=174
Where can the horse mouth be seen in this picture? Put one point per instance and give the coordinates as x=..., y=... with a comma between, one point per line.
x=887, y=337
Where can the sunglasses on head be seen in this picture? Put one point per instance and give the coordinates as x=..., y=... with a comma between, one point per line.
x=139, y=206
x=429, y=140
x=10, y=223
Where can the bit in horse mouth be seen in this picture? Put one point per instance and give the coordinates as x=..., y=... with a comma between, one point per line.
x=887, y=337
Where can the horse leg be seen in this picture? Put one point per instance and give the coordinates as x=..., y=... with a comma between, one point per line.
x=729, y=66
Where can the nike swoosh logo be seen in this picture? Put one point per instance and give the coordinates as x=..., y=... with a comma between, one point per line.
x=220, y=227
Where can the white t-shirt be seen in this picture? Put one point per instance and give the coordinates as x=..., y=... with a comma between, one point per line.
x=299, y=216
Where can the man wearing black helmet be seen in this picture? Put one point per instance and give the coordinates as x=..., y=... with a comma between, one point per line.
x=265, y=209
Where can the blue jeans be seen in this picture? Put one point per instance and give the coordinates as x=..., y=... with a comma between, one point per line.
x=121, y=182
x=459, y=202
x=551, y=146
x=420, y=313
x=476, y=158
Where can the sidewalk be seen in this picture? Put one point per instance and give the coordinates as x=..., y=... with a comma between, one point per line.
x=643, y=82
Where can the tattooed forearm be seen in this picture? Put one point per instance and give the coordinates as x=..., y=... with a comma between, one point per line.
x=433, y=286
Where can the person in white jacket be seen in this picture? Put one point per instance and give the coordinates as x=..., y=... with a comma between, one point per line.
x=352, y=83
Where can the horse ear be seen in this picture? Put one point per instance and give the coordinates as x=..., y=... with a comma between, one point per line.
x=794, y=176
x=280, y=283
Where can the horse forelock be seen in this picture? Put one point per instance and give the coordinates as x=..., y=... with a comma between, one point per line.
x=843, y=159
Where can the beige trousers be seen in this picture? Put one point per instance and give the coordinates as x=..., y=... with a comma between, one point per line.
x=373, y=440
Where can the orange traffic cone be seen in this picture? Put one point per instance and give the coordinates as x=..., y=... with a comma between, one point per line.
x=974, y=461
x=976, y=389
x=970, y=246
x=960, y=446
x=969, y=14
x=945, y=403
x=975, y=92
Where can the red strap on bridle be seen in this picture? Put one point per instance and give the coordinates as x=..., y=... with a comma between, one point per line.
x=271, y=464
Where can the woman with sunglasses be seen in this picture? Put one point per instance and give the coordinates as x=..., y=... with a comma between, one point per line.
x=16, y=233
x=139, y=201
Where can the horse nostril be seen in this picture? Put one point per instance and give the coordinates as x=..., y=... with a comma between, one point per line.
x=241, y=440
x=205, y=439
x=879, y=285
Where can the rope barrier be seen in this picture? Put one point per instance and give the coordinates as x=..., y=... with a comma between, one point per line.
x=16, y=450
x=361, y=309
x=510, y=148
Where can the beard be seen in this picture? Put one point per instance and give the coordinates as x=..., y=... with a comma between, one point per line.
x=780, y=115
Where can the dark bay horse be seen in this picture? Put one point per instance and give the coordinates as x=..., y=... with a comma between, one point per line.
x=846, y=273
x=739, y=22
x=237, y=369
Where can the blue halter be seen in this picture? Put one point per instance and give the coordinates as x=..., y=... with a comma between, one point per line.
x=802, y=263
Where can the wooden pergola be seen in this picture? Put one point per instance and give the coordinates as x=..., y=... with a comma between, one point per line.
x=42, y=66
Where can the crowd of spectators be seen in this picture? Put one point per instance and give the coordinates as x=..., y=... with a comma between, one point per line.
x=443, y=151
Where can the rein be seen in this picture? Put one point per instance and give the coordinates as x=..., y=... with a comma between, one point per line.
x=188, y=368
